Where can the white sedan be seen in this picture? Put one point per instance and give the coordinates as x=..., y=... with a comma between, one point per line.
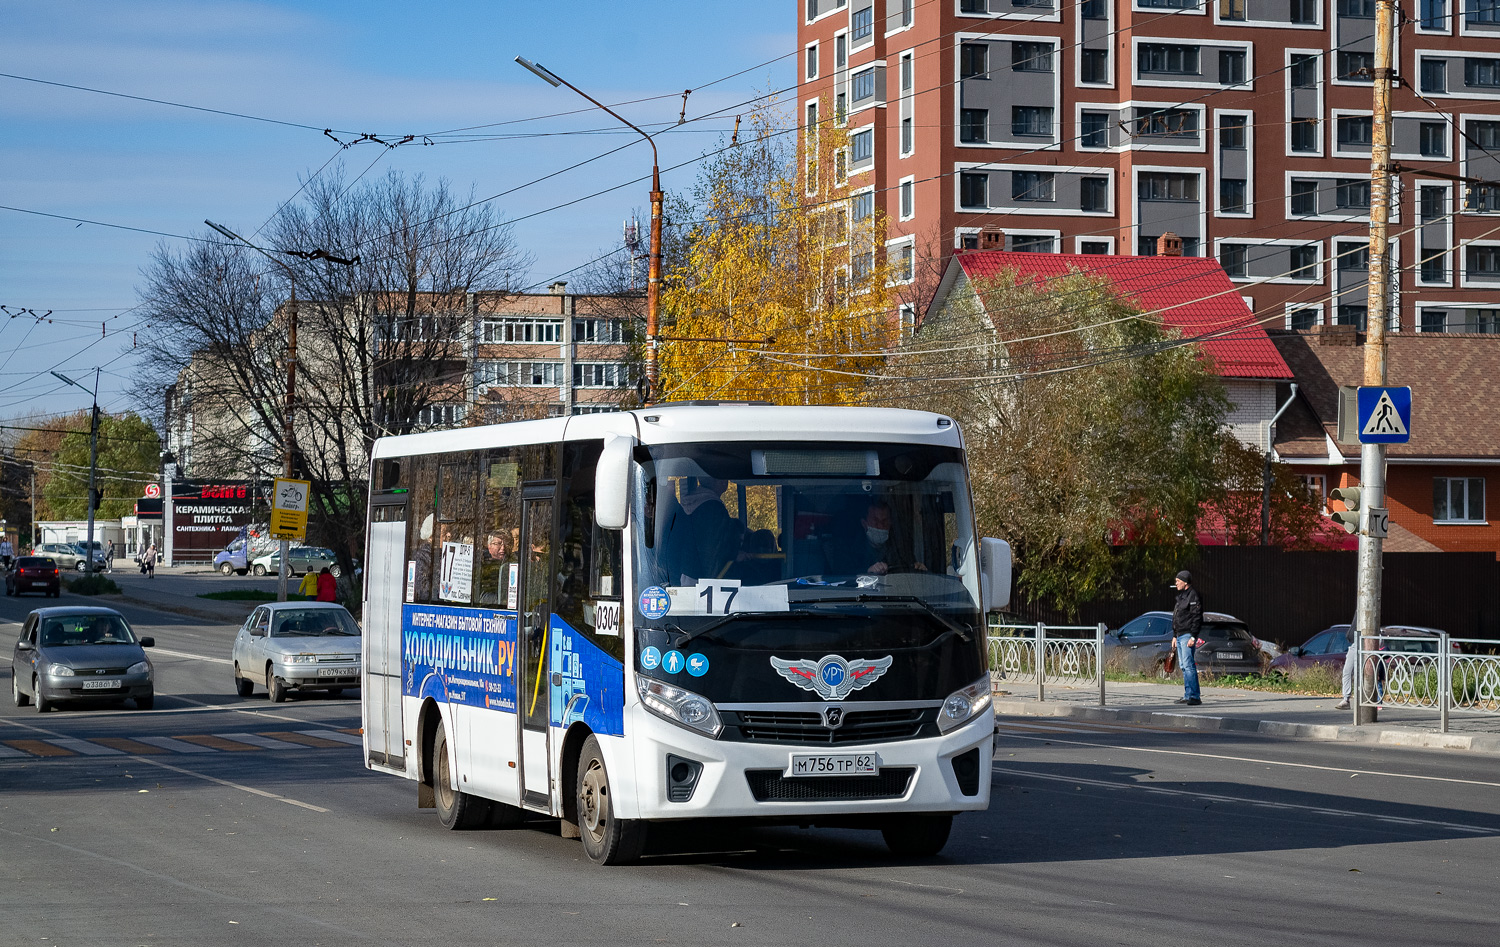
x=297, y=646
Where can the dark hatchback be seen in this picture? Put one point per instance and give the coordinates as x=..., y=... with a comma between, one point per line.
x=33, y=574
x=80, y=653
x=1144, y=644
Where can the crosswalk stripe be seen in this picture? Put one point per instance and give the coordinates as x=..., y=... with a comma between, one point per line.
x=305, y=739
x=7, y=752
x=125, y=745
x=40, y=748
x=215, y=742
x=357, y=731
x=83, y=747
x=255, y=739
x=176, y=746
x=335, y=735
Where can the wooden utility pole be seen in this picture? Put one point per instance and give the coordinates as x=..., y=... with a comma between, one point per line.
x=1377, y=319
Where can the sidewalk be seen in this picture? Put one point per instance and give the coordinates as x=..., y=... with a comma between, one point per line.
x=176, y=590
x=1225, y=708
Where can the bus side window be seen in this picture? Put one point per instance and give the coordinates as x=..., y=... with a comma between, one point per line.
x=589, y=562
x=422, y=523
x=496, y=559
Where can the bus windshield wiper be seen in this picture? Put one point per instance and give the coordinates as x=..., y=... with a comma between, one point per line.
x=964, y=631
x=732, y=616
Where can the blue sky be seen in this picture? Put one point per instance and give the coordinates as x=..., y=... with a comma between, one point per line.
x=378, y=66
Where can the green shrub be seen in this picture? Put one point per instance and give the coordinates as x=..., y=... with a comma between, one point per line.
x=95, y=584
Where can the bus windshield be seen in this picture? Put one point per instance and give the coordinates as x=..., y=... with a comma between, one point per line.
x=733, y=528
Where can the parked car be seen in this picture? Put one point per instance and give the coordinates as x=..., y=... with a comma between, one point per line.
x=70, y=556
x=303, y=559
x=1142, y=645
x=33, y=574
x=80, y=653
x=296, y=646
x=1324, y=649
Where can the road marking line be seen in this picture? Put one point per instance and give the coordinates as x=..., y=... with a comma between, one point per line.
x=214, y=742
x=176, y=746
x=1240, y=800
x=1251, y=759
x=305, y=739
x=335, y=735
x=40, y=748
x=255, y=739
x=232, y=785
x=126, y=745
x=10, y=753
x=1008, y=731
x=191, y=656
x=83, y=747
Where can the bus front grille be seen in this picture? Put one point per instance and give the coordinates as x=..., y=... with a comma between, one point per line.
x=859, y=726
x=769, y=785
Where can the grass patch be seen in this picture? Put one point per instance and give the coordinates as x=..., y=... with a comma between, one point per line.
x=1310, y=682
x=95, y=584
x=252, y=595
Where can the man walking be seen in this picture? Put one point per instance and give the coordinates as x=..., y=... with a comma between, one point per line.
x=1187, y=622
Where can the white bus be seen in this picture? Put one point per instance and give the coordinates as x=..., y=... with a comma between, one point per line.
x=683, y=612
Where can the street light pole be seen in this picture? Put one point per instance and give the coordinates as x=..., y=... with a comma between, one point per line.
x=653, y=275
x=88, y=555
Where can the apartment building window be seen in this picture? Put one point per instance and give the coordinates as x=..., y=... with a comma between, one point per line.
x=1432, y=139
x=1458, y=499
x=1482, y=261
x=906, y=12
x=1031, y=57
x=1434, y=75
x=1485, y=135
x=1093, y=130
x=864, y=85
x=1434, y=320
x=973, y=126
x=1434, y=201
x=841, y=108
x=519, y=374
x=906, y=72
x=1351, y=195
x=1356, y=67
x=812, y=61
x=1232, y=132
x=974, y=61
x=1304, y=319
x=1434, y=14
x=1482, y=73
x=1304, y=134
x=440, y=415
x=1304, y=11
x=840, y=51
x=1033, y=186
x=1304, y=262
x=1304, y=198
x=1094, y=194
x=1165, y=186
x=862, y=145
x=497, y=331
x=1234, y=257
x=1303, y=71
x=1094, y=9
x=1031, y=120
x=1357, y=9
x=905, y=267
x=1044, y=4
x=1094, y=66
x=1233, y=10
x=1165, y=59
x=1168, y=4
x=907, y=199
x=1354, y=258
x=973, y=189
x=1026, y=243
x=1094, y=247
x=1350, y=316
x=1482, y=11
x=812, y=119
x=1435, y=267
x=907, y=136
x=862, y=24
x=601, y=375
x=1355, y=129
x=608, y=331
x=1231, y=66
x=861, y=206
x=1169, y=121
x=1232, y=195
x=973, y=6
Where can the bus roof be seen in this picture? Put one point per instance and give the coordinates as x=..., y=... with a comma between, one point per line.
x=693, y=422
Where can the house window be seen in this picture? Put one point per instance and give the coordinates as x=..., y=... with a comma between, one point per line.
x=1094, y=66
x=1482, y=73
x=1304, y=11
x=861, y=205
x=1304, y=262
x=1458, y=499
x=907, y=199
x=1304, y=134
x=864, y=85
x=1356, y=67
x=1235, y=259
x=1033, y=186
x=1435, y=267
x=1482, y=261
x=1303, y=73
x=974, y=61
x=973, y=189
x=973, y=6
x=1164, y=186
x=1352, y=195
x=1434, y=14
x=1434, y=76
x=906, y=136
x=1093, y=130
x=1031, y=57
x=812, y=61
x=1232, y=132
x=1162, y=58
x=1231, y=66
x=1169, y=121
x=862, y=145
x=1094, y=9
x=1304, y=319
x=1031, y=120
x=1304, y=198
x=862, y=25
x=973, y=126
x=1030, y=244
x=1434, y=320
x=1355, y=130
x=1484, y=135
x=1094, y=194
x=1232, y=10
x=1432, y=139
x=1094, y=247
x=1232, y=195
x=1357, y=9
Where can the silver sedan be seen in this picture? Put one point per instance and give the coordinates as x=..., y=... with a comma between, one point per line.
x=301, y=646
x=80, y=653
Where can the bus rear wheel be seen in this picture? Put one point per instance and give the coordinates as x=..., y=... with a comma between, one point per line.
x=607, y=839
x=456, y=808
x=917, y=836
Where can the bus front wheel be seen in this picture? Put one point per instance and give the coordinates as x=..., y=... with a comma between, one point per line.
x=456, y=809
x=607, y=839
x=917, y=836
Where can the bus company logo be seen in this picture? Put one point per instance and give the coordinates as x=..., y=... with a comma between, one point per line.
x=833, y=677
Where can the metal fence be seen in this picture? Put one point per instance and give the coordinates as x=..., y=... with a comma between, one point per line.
x=1044, y=654
x=1401, y=672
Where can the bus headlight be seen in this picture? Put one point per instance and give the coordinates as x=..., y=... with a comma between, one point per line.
x=962, y=706
x=682, y=707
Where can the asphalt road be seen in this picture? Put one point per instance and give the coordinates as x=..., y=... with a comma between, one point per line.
x=215, y=819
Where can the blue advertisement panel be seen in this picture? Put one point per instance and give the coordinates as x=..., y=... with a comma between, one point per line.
x=463, y=655
x=593, y=682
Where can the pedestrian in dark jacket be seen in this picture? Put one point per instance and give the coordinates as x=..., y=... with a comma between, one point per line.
x=1187, y=622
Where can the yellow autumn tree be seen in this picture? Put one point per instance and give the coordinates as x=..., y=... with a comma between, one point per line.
x=780, y=289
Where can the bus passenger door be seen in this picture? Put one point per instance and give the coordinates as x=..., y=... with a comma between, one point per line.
x=537, y=549
x=385, y=583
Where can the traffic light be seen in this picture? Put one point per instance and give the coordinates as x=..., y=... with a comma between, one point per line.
x=1348, y=517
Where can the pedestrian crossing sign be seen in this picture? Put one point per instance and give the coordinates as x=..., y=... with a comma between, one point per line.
x=1384, y=415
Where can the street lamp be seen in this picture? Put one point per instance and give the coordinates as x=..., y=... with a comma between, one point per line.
x=653, y=284
x=93, y=499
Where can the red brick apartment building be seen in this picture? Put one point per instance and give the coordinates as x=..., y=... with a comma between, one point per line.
x=1243, y=126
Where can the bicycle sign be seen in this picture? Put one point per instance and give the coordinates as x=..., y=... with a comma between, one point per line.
x=289, y=508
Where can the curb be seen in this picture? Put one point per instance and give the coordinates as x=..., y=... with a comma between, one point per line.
x=1488, y=743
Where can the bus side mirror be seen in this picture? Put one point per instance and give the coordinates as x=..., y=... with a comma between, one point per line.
x=994, y=574
x=612, y=482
